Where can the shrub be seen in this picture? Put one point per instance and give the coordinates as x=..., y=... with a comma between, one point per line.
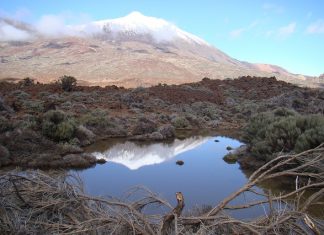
x=143, y=126
x=205, y=79
x=313, y=134
x=261, y=150
x=33, y=105
x=5, y=125
x=167, y=131
x=255, y=130
x=84, y=135
x=28, y=122
x=257, y=127
x=96, y=118
x=58, y=126
x=27, y=81
x=180, y=122
x=19, y=94
x=4, y=156
x=283, y=112
x=283, y=131
x=66, y=105
x=205, y=109
x=65, y=130
x=282, y=134
x=67, y=82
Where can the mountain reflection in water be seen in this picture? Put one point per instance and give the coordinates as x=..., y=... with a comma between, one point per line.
x=204, y=178
x=135, y=156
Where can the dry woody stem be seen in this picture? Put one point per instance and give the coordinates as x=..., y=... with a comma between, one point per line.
x=33, y=202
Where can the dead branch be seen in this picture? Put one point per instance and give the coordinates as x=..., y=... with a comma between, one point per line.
x=173, y=215
x=35, y=202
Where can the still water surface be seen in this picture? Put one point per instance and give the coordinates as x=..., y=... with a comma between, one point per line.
x=204, y=179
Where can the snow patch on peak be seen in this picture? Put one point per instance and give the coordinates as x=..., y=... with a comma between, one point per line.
x=137, y=23
x=135, y=14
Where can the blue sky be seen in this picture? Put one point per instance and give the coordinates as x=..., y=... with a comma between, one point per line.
x=286, y=33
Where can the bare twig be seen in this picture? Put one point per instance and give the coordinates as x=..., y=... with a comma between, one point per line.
x=35, y=202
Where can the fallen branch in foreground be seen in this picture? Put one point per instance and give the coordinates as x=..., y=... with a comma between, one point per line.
x=34, y=202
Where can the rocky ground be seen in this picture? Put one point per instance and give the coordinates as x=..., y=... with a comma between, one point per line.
x=43, y=126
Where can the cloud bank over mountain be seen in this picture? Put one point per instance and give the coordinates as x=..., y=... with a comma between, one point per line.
x=54, y=26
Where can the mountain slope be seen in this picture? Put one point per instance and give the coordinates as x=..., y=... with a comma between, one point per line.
x=134, y=50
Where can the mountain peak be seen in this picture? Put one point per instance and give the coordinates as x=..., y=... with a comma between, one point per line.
x=137, y=23
x=135, y=14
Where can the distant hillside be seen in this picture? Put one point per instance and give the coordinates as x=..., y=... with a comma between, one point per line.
x=134, y=50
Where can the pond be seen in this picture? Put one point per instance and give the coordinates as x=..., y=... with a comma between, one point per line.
x=204, y=178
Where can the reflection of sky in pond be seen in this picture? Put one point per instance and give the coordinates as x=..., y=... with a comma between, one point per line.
x=203, y=179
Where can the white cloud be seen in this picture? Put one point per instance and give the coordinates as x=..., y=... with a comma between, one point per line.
x=238, y=32
x=273, y=7
x=20, y=14
x=51, y=25
x=56, y=26
x=12, y=26
x=269, y=33
x=316, y=27
x=253, y=24
x=8, y=32
x=286, y=31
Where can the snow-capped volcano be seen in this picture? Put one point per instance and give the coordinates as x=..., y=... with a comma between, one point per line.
x=136, y=23
x=134, y=50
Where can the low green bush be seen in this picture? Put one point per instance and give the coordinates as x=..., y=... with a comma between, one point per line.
x=283, y=130
x=144, y=126
x=28, y=122
x=180, y=122
x=27, y=81
x=313, y=133
x=33, y=105
x=5, y=125
x=67, y=82
x=205, y=109
x=281, y=135
x=58, y=126
x=21, y=95
x=95, y=118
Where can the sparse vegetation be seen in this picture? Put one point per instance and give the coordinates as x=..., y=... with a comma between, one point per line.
x=67, y=82
x=91, y=113
x=20, y=95
x=29, y=122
